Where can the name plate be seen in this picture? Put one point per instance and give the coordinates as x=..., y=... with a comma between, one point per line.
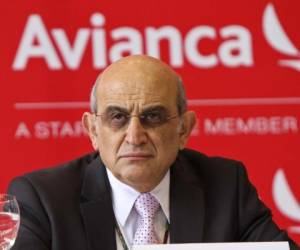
x=282, y=245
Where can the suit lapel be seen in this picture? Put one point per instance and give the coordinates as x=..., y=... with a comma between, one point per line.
x=186, y=205
x=96, y=208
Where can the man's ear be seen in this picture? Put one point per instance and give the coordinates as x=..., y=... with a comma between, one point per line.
x=188, y=122
x=89, y=123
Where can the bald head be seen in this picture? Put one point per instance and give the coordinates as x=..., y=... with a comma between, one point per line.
x=137, y=70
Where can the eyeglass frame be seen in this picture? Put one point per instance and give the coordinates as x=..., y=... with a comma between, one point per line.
x=140, y=117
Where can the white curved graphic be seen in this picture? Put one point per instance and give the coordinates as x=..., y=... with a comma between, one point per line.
x=285, y=200
x=294, y=229
x=278, y=39
x=284, y=197
x=275, y=34
x=295, y=64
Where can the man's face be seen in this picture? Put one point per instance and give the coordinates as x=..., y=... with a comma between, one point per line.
x=138, y=154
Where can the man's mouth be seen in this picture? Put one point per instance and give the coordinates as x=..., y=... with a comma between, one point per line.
x=136, y=156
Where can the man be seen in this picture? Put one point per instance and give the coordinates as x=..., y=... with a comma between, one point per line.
x=140, y=186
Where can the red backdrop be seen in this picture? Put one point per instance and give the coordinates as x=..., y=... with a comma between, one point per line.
x=239, y=60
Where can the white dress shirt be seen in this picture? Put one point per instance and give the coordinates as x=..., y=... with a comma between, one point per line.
x=123, y=198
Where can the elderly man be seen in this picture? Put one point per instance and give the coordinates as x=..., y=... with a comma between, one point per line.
x=140, y=186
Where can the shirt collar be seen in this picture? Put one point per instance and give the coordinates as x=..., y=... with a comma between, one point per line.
x=124, y=196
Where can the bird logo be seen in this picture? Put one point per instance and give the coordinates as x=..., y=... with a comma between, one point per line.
x=285, y=199
x=278, y=39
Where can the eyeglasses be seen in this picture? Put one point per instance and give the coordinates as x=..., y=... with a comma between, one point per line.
x=149, y=119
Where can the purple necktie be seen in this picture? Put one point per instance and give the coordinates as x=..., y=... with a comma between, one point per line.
x=146, y=206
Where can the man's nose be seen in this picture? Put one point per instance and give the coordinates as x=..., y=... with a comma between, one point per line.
x=136, y=133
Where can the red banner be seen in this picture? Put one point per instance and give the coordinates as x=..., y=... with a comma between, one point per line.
x=239, y=60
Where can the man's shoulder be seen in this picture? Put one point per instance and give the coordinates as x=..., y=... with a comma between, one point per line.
x=211, y=163
x=74, y=166
x=69, y=174
x=213, y=169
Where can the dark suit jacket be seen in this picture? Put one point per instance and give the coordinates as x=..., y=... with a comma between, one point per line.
x=70, y=207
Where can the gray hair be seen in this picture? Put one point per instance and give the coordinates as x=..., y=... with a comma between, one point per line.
x=181, y=97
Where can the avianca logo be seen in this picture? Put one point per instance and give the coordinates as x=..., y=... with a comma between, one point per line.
x=54, y=46
x=278, y=39
x=235, y=48
x=285, y=200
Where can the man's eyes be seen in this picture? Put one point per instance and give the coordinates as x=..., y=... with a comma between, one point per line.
x=117, y=119
x=153, y=117
x=117, y=116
